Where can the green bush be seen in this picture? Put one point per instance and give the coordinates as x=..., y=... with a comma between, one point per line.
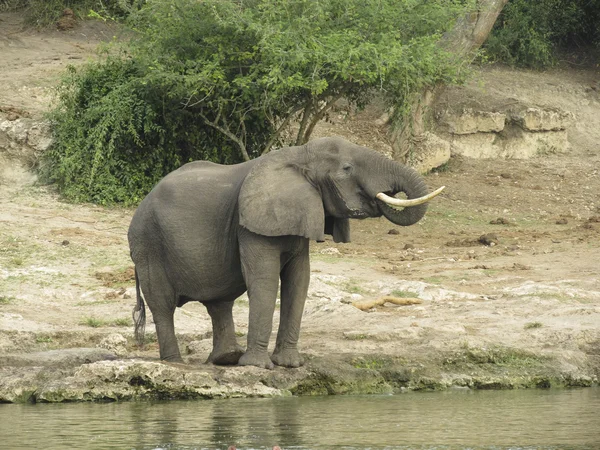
x=43, y=13
x=528, y=34
x=223, y=80
x=116, y=134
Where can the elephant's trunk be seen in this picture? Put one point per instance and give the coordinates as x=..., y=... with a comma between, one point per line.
x=404, y=179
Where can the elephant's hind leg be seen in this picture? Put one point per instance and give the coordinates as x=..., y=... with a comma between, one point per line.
x=226, y=350
x=161, y=299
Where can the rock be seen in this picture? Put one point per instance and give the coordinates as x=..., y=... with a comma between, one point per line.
x=330, y=251
x=538, y=119
x=32, y=133
x=512, y=143
x=116, y=343
x=469, y=120
x=127, y=380
x=393, y=231
x=489, y=239
x=57, y=358
x=430, y=152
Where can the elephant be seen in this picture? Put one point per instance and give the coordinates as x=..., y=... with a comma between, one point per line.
x=209, y=232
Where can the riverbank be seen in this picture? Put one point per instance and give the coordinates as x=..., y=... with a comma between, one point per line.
x=505, y=267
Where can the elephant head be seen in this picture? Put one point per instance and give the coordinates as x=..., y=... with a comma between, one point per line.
x=313, y=190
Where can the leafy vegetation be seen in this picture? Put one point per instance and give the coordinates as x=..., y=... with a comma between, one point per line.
x=43, y=13
x=528, y=34
x=227, y=80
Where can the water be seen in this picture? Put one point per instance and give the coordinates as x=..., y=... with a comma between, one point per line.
x=525, y=419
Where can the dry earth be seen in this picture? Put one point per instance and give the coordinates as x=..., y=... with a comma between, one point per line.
x=506, y=265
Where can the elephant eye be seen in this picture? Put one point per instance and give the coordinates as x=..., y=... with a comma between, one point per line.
x=347, y=168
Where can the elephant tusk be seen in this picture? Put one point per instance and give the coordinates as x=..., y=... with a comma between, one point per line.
x=399, y=202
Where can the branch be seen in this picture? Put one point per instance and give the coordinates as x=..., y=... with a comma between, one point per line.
x=280, y=129
x=305, y=116
x=187, y=103
x=225, y=130
x=319, y=115
x=368, y=304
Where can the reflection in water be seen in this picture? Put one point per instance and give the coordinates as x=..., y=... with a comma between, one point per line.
x=551, y=419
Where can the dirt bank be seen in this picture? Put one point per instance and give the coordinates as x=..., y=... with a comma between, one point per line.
x=519, y=307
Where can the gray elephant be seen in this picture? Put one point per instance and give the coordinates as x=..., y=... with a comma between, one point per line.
x=209, y=233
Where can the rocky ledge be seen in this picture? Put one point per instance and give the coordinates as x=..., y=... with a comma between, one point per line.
x=92, y=374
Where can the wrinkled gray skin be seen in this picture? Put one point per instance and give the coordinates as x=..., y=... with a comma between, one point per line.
x=209, y=233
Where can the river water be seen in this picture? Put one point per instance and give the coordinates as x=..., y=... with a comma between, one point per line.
x=456, y=419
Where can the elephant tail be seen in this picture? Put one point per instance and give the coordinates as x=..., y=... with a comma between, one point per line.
x=139, y=313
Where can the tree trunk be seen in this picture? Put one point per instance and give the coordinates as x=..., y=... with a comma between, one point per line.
x=463, y=40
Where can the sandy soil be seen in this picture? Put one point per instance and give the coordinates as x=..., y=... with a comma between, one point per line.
x=529, y=290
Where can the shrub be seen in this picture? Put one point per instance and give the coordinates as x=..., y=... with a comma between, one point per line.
x=43, y=13
x=528, y=34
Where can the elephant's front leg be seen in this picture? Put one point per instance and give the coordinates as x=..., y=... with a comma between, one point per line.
x=261, y=265
x=295, y=278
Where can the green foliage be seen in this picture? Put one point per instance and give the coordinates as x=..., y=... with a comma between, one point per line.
x=5, y=300
x=224, y=80
x=528, y=34
x=369, y=362
x=116, y=134
x=42, y=13
x=93, y=322
x=532, y=325
x=43, y=339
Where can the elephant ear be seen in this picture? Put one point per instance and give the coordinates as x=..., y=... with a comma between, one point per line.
x=277, y=200
x=338, y=228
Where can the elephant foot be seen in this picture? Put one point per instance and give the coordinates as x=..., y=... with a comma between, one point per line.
x=172, y=359
x=258, y=359
x=227, y=356
x=287, y=357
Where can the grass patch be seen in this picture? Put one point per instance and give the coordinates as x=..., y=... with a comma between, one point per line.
x=433, y=280
x=15, y=252
x=404, y=294
x=43, y=339
x=532, y=325
x=353, y=288
x=150, y=338
x=498, y=356
x=6, y=299
x=355, y=336
x=123, y=322
x=94, y=322
x=371, y=363
x=442, y=169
